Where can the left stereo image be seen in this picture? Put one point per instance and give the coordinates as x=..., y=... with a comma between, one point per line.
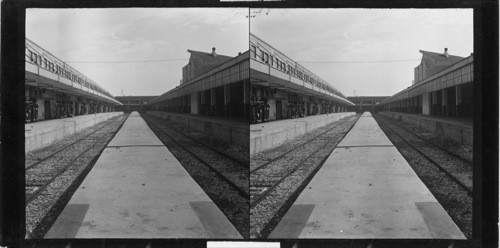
x=137, y=123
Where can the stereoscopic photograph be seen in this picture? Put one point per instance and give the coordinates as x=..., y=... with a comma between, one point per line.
x=233, y=125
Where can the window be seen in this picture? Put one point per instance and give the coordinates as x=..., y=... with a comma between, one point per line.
x=271, y=59
x=266, y=58
x=262, y=55
x=254, y=51
x=32, y=56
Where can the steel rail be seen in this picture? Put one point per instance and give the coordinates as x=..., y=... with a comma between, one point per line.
x=470, y=163
x=263, y=195
x=291, y=150
x=59, y=171
x=441, y=168
x=63, y=148
x=154, y=122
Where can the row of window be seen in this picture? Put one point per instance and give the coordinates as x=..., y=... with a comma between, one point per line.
x=286, y=68
x=57, y=69
x=365, y=102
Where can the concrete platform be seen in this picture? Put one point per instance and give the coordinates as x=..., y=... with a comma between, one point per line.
x=457, y=129
x=267, y=135
x=366, y=190
x=40, y=134
x=137, y=189
x=233, y=131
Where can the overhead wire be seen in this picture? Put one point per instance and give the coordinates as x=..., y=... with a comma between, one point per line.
x=299, y=61
x=358, y=62
x=124, y=61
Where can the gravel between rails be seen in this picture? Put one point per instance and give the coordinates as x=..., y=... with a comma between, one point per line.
x=454, y=199
x=267, y=213
x=242, y=155
x=232, y=170
x=46, y=207
x=230, y=201
x=460, y=170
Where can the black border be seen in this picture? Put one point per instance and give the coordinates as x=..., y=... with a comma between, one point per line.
x=486, y=65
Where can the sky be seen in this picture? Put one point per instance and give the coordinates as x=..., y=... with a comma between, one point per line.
x=358, y=36
x=118, y=36
x=314, y=37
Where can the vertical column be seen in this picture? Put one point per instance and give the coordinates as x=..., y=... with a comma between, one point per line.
x=444, y=102
x=434, y=102
x=194, y=103
x=246, y=98
x=227, y=99
x=203, y=102
x=213, y=101
x=458, y=100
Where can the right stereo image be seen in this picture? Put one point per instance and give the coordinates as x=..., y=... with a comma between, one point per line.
x=361, y=123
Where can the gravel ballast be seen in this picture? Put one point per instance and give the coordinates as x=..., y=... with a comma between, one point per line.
x=76, y=154
x=453, y=197
x=192, y=156
x=289, y=168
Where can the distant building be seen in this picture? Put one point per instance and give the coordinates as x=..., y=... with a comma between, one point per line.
x=133, y=103
x=211, y=84
x=433, y=63
x=443, y=86
x=366, y=103
x=201, y=62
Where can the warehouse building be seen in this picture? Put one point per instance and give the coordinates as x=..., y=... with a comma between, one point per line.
x=212, y=85
x=282, y=89
x=442, y=86
x=56, y=90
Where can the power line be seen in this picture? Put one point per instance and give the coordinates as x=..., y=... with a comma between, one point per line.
x=358, y=62
x=124, y=61
x=312, y=62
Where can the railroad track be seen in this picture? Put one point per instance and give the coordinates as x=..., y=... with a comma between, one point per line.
x=209, y=143
x=456, y=155
x=265, y=178
x=43, y=172
x=451, y=164
x=273, y=159
x=231, y=170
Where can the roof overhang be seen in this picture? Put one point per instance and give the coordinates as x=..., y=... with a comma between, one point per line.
x=461, y=72
x=39, y=77
x=264, y=75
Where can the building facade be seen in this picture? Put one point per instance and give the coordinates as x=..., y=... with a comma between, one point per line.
x=212, y=84
x=133, y=103
x=57, y=90
x=281, y=88
x=366, y=103
x=443, y=86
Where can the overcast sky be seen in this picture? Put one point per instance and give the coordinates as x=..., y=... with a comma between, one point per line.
x=110, y=35
x=359, y=35
x=305, y=35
